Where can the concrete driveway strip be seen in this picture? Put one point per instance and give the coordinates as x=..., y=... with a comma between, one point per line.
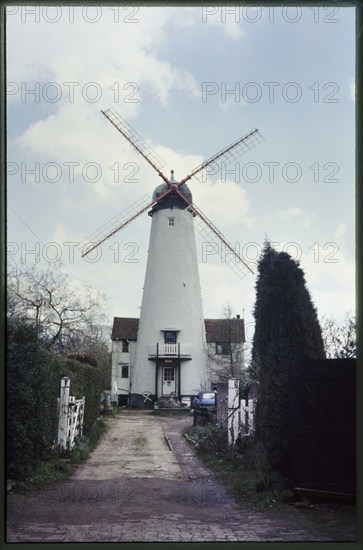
x=139, y=485
x=135, y=446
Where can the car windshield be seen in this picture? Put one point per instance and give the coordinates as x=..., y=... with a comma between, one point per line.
x=207, y=396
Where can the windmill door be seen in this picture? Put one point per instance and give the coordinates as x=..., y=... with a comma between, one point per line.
x=168, y=382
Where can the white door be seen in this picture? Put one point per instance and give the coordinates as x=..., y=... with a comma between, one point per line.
x=168, y=380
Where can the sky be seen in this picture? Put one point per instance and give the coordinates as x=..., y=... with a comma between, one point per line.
x=189, y=80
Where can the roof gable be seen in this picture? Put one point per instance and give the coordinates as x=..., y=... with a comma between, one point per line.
x=217, y=330
x=225, y=330
x=125, y=328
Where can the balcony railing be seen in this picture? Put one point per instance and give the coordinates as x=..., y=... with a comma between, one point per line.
x=169, y=350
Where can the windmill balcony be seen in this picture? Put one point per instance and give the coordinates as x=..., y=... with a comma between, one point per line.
x=169, y=350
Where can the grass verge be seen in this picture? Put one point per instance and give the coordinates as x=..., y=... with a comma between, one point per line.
x=242, y=469
x=86, y=445
x=54, y=469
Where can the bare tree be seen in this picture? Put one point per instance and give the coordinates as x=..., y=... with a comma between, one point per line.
x=340, y=340
x=61, y=311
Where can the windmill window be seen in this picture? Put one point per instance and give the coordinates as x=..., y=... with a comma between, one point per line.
x=124, y=371
x=171, y=222
x=222, y=348
x=125, y=346
x=170, y=337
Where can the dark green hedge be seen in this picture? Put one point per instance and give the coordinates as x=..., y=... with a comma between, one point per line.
x=287, y=330
x=33, y=385
x=85, y=381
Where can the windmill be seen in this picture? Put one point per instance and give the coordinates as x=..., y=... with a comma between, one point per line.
x=171, y=333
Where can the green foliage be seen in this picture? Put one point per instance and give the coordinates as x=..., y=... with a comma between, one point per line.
x=45, y=472
x=243, y=468
x=181, y=412
x=83, y=358
x=286, y=330
x=31, y=421
x=33, y=384
x=209, y=439
x=85, y=446
x=85, y=382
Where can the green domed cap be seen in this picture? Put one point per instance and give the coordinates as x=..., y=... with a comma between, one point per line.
x=173, y=200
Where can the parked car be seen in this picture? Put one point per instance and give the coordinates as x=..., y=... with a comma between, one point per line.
x=204, y=399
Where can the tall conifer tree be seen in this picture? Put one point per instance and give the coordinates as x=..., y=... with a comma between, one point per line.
x=286, y=330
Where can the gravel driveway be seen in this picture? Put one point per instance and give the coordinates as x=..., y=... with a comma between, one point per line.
x=144, y=483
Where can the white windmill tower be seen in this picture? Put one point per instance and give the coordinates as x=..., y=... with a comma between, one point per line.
x=171, y=356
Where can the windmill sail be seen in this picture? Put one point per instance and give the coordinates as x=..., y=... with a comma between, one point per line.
x=115, y=224
x=151, y=156
x=226, y=155
x=211, y=234
x=203, y=225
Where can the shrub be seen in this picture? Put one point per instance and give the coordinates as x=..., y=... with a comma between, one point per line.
x=84, y=381
x=209, y=439
x=244, y=467
x=33, y=383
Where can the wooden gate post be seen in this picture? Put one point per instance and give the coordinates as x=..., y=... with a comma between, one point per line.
x=233, y=410
x=63, y=413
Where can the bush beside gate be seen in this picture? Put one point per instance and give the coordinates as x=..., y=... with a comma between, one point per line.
x=33, y=381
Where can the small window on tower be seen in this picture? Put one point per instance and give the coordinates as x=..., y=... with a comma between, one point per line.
x=124, y=371
x=125, y=346
x=171, y=222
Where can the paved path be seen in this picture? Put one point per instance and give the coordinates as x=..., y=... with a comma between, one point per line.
x=140, y=486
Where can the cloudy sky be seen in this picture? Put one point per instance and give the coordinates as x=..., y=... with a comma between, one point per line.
x=190, y=80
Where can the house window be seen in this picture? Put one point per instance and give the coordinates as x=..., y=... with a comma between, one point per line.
x=171, y=222
x=125, y=346
x=124, y=371
x=222, y=348
x=169, y=374
x=170, y=337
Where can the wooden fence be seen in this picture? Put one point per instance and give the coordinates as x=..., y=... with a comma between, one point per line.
x=247, y=423
x=237, y=414
x=322, y=413
x=71, y=415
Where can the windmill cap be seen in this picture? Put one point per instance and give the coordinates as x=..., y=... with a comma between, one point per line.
x=163, y=188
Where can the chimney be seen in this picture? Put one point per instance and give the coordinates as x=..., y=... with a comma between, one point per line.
x=238, y=317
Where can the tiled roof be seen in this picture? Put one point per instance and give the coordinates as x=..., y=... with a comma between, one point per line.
x=125, y=328
x=217, y=330
x=225, y=330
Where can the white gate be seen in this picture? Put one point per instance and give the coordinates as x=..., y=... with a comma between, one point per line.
x=233, y=410
x=248, y=407
x=241, y=413
x=71, y=414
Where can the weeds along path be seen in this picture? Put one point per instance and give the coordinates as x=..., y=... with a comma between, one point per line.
x=144, y=483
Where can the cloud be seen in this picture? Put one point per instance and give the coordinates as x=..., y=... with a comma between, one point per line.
x=136, y=55
x=225, y=18
x=340, y=230
x=136, y=67
x=225, y=202
x=219, y=286
x=293, y=213
x=330, y=276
